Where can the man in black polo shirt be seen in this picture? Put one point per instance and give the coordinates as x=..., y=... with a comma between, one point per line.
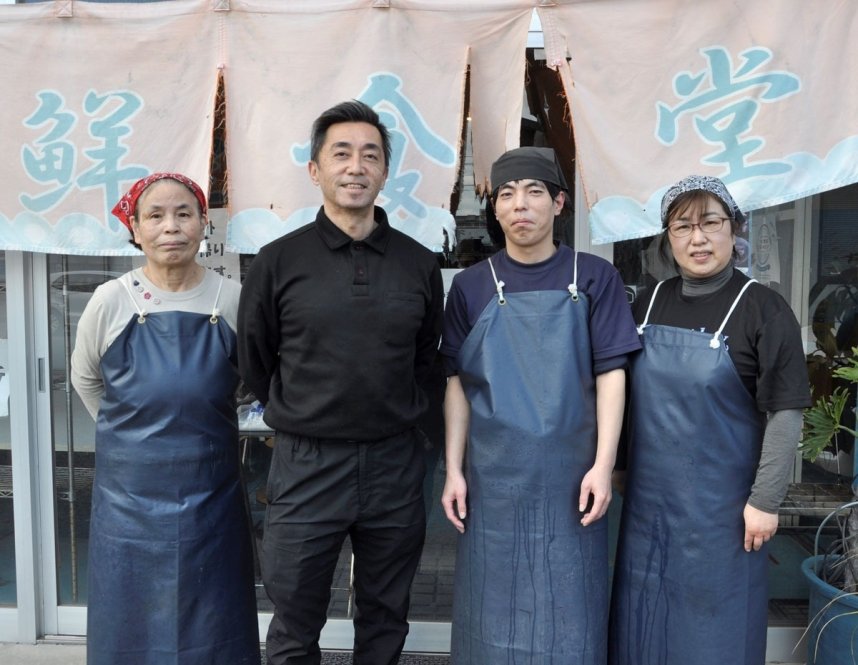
x=338, y=326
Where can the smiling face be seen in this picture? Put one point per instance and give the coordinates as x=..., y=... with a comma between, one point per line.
x=702, y=254
x=168, y=225
x=526, y=212
x=349, y=169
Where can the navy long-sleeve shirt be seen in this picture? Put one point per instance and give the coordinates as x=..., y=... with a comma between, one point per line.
x=336, y=335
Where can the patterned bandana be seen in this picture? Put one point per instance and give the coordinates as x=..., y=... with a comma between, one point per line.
x=705, y=183
x=127, y=205
x=527, y=163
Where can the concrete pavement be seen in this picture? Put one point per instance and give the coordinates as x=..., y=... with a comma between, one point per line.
x=51, y=653
x=43, y=654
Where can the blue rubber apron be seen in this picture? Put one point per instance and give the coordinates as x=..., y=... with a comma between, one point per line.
x=685, y=591
x=170, y=558
x=531, y=582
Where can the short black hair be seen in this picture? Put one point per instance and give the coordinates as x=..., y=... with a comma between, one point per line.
x=350, y=111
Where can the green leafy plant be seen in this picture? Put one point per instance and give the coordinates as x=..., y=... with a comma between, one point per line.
x=823, y=420
x=822, y=423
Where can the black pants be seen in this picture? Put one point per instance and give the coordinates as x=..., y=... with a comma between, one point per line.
x=318, y=492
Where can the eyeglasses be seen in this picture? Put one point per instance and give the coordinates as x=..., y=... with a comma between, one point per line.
x=709, y=224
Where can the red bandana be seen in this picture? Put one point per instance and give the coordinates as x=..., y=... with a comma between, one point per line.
x=127, y=205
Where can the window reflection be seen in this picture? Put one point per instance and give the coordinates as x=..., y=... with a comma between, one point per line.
x=833, y=319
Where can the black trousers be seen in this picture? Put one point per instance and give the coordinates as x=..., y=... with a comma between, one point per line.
x=318, y=492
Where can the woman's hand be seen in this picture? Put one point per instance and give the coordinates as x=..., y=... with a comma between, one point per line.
x=759, y=527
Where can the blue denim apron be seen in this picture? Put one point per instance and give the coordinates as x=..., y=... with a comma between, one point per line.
x=170, y=557
x=685, y=591
x=531, y=582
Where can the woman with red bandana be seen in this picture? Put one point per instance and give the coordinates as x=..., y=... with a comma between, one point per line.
x=170, y=556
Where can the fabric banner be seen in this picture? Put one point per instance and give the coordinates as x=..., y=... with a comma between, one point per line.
x=761, y=94
x=94, y=97
x=406, y=59
x=99, y=95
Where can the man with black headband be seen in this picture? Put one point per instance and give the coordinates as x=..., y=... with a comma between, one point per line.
x=536, y=340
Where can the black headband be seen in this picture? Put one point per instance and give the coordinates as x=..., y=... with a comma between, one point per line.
x=527, y=164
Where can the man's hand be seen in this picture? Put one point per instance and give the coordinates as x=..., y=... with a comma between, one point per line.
x=596, y=484
x=454, y=500
x=759, y=527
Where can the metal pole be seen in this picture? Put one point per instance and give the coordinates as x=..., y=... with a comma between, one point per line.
x=67, y=347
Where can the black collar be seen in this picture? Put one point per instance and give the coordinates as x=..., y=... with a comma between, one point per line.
x=335, y=237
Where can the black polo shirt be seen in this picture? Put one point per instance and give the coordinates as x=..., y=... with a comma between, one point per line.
x=335, y=336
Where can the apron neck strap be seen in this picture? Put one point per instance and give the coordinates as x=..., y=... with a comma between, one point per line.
x=715, y=342
x=573, y=287
x=649, y=308
x=141, y=313
x=215, y=310
x=498, y=284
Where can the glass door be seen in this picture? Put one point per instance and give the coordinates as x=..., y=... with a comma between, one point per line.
x=71, y=281
x=8, y=584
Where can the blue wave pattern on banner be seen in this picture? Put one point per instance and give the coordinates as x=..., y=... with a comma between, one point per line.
x=76, y=233
x=723, y=101
x=618, y=218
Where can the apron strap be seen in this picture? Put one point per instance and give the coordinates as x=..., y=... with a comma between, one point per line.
x=649, y=309
x=715, y=342
x=573, y=287
x=141, y=313
x=215, y=311
x=498, y=284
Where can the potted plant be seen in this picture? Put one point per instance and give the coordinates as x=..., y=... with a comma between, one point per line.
x=833, y=576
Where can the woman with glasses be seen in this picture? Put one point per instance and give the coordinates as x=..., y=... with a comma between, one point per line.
x=714, y=422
